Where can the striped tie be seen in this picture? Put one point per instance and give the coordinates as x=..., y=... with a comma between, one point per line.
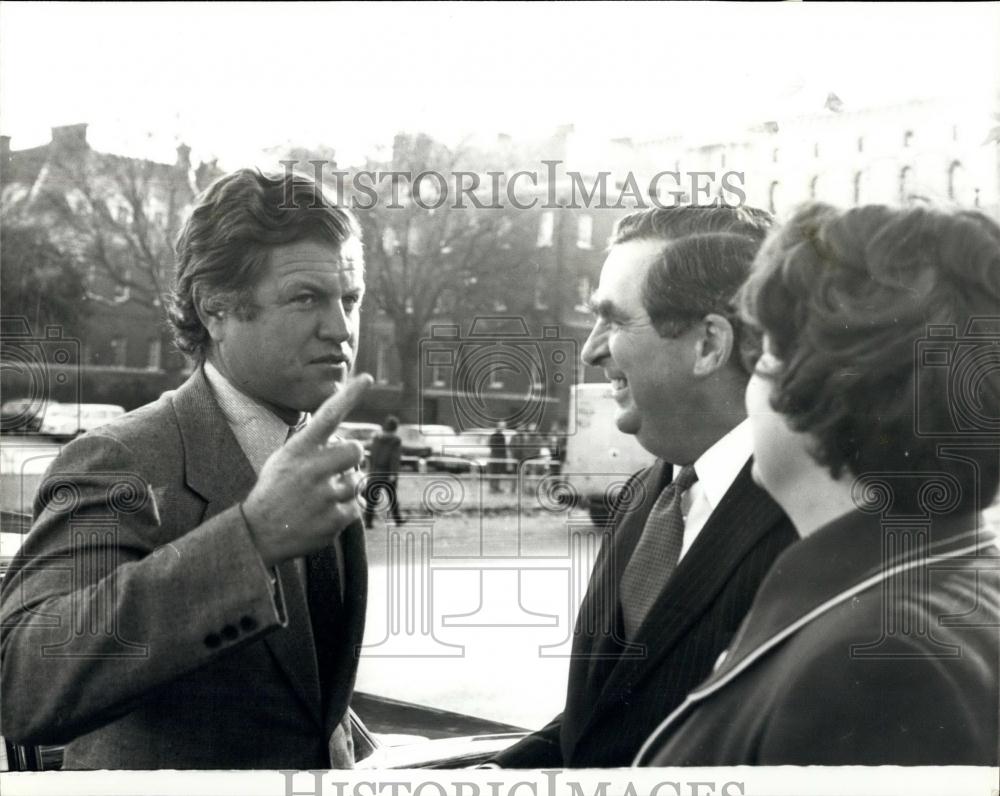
x=657, y=553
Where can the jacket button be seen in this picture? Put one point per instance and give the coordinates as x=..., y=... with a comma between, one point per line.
x=212, y=640
x=248, y=623
x=229, y=633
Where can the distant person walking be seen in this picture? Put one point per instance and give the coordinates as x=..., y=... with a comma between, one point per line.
x=523, y=449
x=385, y=455
x=497, y=466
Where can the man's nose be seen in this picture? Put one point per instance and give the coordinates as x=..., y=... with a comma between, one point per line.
x=334, y=324
x=595, y=350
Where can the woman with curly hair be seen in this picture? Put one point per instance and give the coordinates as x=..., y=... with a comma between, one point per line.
x=875, y=639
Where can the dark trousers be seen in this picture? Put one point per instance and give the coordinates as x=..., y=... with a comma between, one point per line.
x=378, y=491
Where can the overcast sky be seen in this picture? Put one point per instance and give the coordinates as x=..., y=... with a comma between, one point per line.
x=233, y=79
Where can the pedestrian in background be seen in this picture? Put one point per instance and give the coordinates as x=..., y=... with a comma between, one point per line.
x=386, y=451
x=498, y=459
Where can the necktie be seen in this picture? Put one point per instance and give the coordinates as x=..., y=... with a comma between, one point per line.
x=321, y=577
x=657, y=553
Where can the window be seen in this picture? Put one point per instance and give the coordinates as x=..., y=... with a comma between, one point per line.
x=415, y=240
x=381, y=362
x=546, y=226
x=119, y=352
x=154, y=354
x=389, y=241
x=957, y=188
x=583, y=291
x=122, y=289
x=774, y=197
x=905, y=185
x=584, y=231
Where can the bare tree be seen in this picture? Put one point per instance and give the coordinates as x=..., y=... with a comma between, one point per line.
x=119, y=215
x=431, y=254
x=40, y=282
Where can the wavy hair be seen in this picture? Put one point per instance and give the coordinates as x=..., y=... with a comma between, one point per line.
x=224, y=245
x=847, y=300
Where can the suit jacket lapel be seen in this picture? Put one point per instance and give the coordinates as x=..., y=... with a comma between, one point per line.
x=743, y=516
x=217, y=469
x=349, y=622
x=598, y=637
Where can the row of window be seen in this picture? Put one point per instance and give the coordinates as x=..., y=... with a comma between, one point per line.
x=908, y=140
x=957, y=180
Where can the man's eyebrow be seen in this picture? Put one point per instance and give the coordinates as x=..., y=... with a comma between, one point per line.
x=603, y=308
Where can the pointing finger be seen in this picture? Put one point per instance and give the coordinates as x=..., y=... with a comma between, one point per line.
x=333, y=410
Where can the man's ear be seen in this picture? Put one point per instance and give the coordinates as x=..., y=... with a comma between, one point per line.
x=715, y=344
x=212, y=314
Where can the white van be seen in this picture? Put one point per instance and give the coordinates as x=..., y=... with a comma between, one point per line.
x=599, y=457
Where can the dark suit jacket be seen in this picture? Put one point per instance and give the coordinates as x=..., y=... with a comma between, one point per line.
x=903, y=672
x=619, y=692
x=140, y=625
x=386, y=454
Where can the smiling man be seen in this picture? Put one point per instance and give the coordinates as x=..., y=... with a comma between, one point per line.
x=192, y=592
x=684, y=558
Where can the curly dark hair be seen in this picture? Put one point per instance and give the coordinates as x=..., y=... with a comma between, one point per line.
x=845, y=299
x=224, y=245
x=707, y=255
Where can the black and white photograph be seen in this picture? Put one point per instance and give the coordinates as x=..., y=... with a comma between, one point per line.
x=490, y=399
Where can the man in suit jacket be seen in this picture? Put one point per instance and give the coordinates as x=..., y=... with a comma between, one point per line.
x=192, y=593
x=673, y=579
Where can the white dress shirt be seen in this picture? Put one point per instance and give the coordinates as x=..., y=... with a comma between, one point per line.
x=259, y=432
x=717, y=469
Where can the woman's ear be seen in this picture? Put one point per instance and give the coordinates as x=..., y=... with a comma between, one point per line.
x=715, y=344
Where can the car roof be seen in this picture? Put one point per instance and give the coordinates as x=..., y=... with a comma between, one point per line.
x=429, y=428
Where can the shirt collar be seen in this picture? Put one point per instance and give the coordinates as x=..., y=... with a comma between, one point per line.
x=718, y=467
x=258, y=430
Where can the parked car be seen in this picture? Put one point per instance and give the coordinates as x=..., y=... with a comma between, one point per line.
x=68, y=420
x=421, y=443
x=393, y=734
x=21, y=414
x=476, y=443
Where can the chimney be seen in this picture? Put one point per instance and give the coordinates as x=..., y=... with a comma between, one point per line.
x=183, y=157
x=70, y=136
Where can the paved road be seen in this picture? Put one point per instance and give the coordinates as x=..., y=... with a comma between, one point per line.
x=469, y=612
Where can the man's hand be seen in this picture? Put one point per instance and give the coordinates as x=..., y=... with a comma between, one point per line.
x=305, y=495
